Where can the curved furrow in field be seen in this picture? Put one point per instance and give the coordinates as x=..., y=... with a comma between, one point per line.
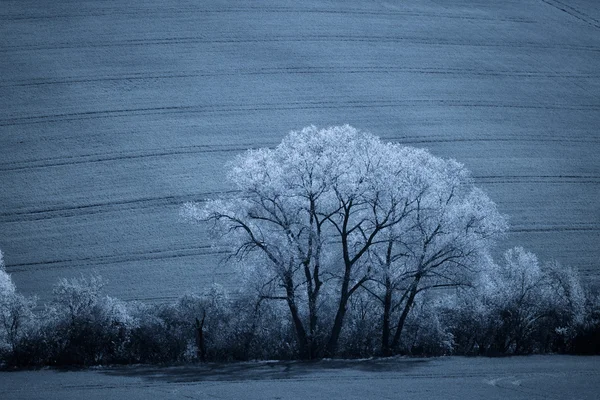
x=269, y=107
x=72, y=160
x=540, y=181
x=408, y=40
x=199, y=149
x=102, y=12
x=553, y=229
x=67, y=211
x=573, y=12
x=196, y=251
x=433, y=139
x=383, y=12
x=113, y=259
x=303, y=71
x=116, y=156
x=37, y=214
x=506, y=137
x=42, y=119
x=545, y=179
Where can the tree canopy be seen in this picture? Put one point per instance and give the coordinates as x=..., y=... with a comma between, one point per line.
x=332, y=211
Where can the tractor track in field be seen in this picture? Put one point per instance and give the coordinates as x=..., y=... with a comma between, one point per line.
x=295, y=105
x=301, y=71
x=407, y=40
x=111, y=157
x=189, y=11
x=122, y=258
x=544, y=179
x=38, y=214
x=196, y=251
x=573, y=12
x=555, y=229
x=68, y=211
x=73, y=160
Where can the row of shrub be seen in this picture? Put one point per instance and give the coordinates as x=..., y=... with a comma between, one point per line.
x=533, y=310
x=546, y=312
x=82, y=326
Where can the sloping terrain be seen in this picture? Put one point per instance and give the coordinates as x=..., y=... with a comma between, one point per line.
x=113, y=114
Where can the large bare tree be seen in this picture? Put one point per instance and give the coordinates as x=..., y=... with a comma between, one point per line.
x=311, y=217
x=440, y=245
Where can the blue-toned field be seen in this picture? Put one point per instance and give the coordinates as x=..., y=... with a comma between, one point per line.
x=517, y=378
x=113, y=114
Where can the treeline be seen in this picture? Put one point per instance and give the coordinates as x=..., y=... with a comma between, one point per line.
x=524, y=308
x=348, y=247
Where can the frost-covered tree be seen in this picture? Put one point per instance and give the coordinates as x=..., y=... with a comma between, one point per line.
x=314, y=216
x=16, y=311
x=84, y=326
x=569, y=294
x=523, y=303
x=440, y=244
x=519, y=294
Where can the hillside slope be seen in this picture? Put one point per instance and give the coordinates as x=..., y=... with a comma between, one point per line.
x=112, y=114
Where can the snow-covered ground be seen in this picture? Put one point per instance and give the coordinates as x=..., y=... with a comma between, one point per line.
x=536, y=377
x=113, y=114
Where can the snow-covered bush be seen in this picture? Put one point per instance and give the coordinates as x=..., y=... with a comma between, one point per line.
x=156, y=335
x=518, y=306
x=272, y=331
x=16, y=313
x=361, y=336
x=83, y=326
x=519, y=295
x=587, y=337
x=241, y=326
x=425, y=332
x=210, y=326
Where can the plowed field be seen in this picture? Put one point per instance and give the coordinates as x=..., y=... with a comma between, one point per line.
x=114, y=113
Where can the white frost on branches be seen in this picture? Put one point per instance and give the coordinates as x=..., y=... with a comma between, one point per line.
x=330, y=211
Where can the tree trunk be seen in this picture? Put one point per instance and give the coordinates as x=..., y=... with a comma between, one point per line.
x=331, y=347
x=387, y=303
x=385, y=329
x=200, y=338
x=339, y=316
x=337, y=326
x=298, y=325
x=313, y=296
x=313, y=319
x=409, y=302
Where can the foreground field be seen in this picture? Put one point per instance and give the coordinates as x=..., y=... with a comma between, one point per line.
x=113, y=114
x=543, y=377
